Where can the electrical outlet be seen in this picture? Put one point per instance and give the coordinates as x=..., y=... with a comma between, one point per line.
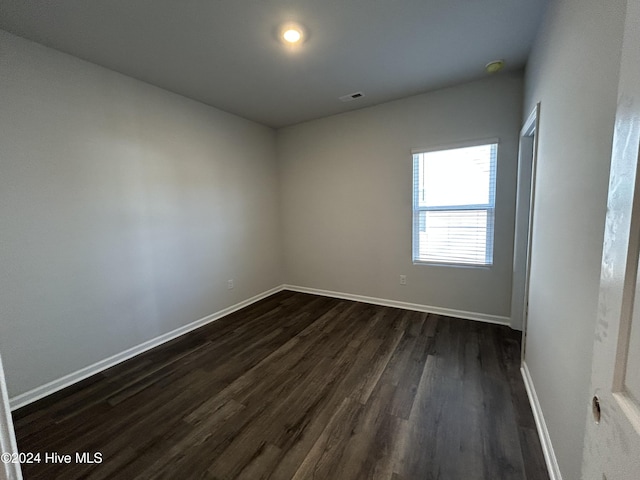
x=229, y=284
x=403, y=279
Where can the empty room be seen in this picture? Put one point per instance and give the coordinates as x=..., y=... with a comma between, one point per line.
x=329, y=240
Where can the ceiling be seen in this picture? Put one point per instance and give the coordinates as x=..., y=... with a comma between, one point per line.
x=226, y=52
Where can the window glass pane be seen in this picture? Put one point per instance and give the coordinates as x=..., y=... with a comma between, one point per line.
x=460, y=176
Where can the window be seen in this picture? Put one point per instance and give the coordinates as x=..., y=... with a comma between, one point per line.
x=453, y=205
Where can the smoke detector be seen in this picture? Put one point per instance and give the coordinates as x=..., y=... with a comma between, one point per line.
x=495, y=66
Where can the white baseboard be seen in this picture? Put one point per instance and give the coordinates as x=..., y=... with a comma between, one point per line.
x=481, y=317
x=68, y=380
x=543, y=433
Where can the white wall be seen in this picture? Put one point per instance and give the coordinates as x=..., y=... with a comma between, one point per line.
x=573, y=73
x=346, y=196
x=124, y=210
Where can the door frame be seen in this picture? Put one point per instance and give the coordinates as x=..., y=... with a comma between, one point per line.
x=523, y=232
x=8, y=471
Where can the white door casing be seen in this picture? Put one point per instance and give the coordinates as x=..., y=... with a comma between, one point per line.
x=612, y=443
x=527, y=159
x=8, y=471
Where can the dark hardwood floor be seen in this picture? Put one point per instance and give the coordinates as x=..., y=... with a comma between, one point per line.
x=298, y=386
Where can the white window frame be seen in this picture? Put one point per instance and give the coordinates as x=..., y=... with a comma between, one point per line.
x=488, y=207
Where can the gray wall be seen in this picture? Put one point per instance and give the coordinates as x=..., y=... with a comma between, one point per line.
x=346, y=196
x=573, y=72
x=124, y=210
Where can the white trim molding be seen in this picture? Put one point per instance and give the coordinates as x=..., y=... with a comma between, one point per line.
x=480, y=317
x=8, y=470
x=75, y=377
x=79, y=375
x=547, y=448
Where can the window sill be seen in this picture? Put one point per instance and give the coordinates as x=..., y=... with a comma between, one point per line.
x=454, y=265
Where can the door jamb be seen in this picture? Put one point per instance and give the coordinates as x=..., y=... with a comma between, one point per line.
x=8, y=470
x=527, y=157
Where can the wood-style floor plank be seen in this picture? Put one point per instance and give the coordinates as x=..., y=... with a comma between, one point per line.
x=299, y=386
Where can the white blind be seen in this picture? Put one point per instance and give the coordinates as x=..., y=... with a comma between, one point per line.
x=453, y=205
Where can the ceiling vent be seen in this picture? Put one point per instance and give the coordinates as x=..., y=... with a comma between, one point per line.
x=351, y=97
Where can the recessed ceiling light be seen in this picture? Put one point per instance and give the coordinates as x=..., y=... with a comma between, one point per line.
x=292, y=34
x=495, y=66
